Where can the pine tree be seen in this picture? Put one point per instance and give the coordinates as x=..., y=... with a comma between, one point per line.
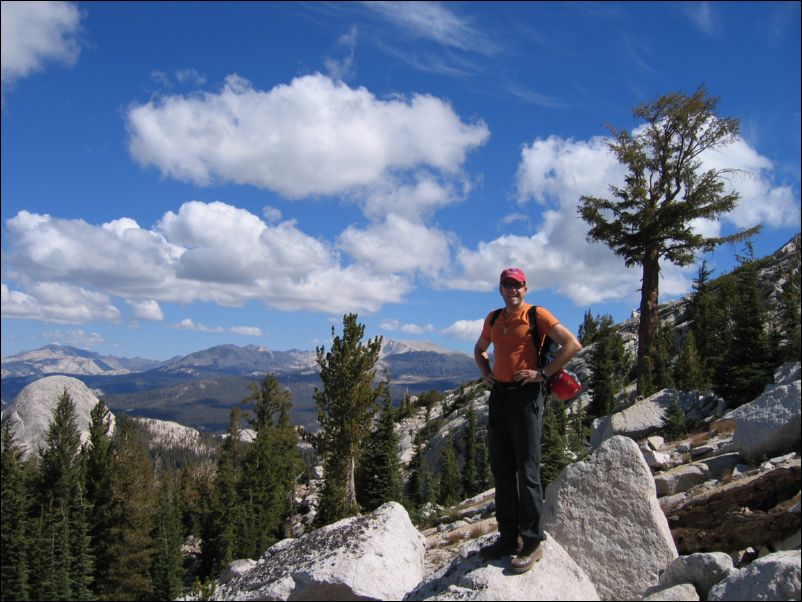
x=420, y=486
x=484, y=475
x=676, y=424
x=196, y=485
x=64, y=562
x=689, y=373
x=710, y=311
x=267, y=482
x=270, y=401
x=469, y=476
x=725, y=299
x=662, y=358
x=379, y=472
x=450, y=481
x=588, y=329
x=607, y=366
x=167, y=563
x=429, y=488
x=649, y=219
x=345, y=406
x=14, y=540
x=288, y=465
x=553, y=456
x=223, y=520
x=333, y=505
x=578, y=433
x=790, y=348
x=98, y=460
x=701, y=310
x=406, y=408
x=749, y=365
x=132, y=548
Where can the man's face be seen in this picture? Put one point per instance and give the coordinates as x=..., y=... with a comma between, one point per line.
x=512, y=292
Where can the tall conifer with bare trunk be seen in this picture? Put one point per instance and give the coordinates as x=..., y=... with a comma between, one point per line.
x=345, y=408
x=651, y=217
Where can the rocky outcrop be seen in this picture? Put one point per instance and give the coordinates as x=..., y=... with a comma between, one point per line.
x=769, y=424
x=683, y=591
x=608, y=532
x=681, y=478
x=730, y=499
x=378, y=556
x=605, y=513
x=773, y=577
x=740, y=514
x=166, y=434
x=33, y=407
x=648, y=416
x=469, y=577
x=699, y=572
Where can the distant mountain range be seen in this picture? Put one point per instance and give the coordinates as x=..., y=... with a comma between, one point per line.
x=251, y=360
x=199, y=389
x=59, y=359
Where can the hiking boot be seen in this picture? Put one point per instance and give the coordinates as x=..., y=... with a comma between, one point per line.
x=503, y=546
x=530, y=553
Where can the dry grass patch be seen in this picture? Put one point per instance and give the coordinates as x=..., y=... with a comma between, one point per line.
x=463, y=533
x=700, y=439
x=723, y=427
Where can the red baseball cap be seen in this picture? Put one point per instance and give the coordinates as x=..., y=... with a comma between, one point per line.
x=513, y=274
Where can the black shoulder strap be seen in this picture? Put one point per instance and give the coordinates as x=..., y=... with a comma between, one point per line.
x=532, y=317
x=495, y=316
x=548, y=348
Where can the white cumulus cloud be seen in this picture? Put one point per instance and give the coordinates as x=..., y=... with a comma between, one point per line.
x=58, y=302
x=312, y=136
x=397, y=326
x=397, y=245
x=250, y=331
x=210, y=252
x=147, y=309
x=555, y=172
x=464, y=330
x=36, y=32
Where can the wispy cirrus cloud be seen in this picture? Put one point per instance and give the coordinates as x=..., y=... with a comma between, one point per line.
x=702, y=15
x=342, y=69
x=74, y=338
x=437, y=22
x=433, y=37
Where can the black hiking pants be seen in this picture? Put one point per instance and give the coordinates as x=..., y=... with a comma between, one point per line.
x=514, y=429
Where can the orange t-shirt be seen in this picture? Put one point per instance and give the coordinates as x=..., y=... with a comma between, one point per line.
x=513, y=347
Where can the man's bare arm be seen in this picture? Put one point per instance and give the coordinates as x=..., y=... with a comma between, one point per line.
x=569, y=346
x=482, y=359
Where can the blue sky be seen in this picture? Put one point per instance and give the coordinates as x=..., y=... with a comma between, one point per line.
x=182, y=175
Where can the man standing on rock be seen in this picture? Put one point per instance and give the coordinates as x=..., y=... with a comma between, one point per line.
x=515, y=417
